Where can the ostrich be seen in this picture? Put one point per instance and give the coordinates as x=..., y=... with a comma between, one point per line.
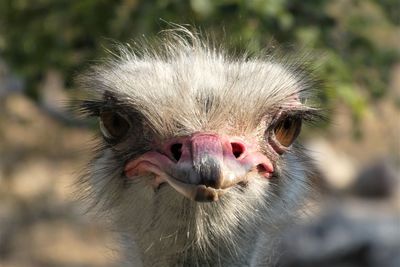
x=197, y=163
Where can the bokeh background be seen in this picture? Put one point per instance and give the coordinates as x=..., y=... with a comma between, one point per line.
x=354, y=44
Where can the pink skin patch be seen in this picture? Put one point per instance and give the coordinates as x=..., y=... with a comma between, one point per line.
x=202, y=166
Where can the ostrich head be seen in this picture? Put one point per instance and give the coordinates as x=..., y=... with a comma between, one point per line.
x=197, y=149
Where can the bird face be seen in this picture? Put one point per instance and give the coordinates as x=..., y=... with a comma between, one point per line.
x=196, y=120
x=202, y=165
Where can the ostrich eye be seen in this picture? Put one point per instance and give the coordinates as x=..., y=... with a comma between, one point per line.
x=287, y=130
x=113, y=125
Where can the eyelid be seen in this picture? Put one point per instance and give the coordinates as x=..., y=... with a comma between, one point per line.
x=276, y=146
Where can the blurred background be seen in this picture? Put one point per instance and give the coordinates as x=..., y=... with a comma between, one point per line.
x=356, y=48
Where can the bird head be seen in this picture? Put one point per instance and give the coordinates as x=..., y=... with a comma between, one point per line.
x=187, y=123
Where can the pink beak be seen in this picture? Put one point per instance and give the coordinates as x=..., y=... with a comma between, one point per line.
x=202, y=166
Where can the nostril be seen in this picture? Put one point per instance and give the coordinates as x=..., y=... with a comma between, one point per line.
x=176, y=150
x=263, y=170
x=237, y=149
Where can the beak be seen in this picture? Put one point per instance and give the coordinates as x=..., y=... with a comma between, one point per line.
x=202, y=166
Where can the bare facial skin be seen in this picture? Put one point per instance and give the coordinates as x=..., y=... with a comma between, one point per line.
x=197, y=163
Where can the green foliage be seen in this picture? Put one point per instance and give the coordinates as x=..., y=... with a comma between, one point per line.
x=358, y=40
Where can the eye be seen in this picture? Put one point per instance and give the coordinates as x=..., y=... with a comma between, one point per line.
x=287, y=130
x=113, y=125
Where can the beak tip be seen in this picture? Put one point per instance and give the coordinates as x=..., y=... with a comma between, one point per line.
x=206, y=194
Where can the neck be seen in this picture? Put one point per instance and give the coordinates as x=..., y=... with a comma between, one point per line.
x=171, y=230
x=179, y=248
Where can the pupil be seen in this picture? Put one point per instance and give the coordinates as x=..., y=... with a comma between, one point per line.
x=117, y=125
x=287, y=124
x=116, y=122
